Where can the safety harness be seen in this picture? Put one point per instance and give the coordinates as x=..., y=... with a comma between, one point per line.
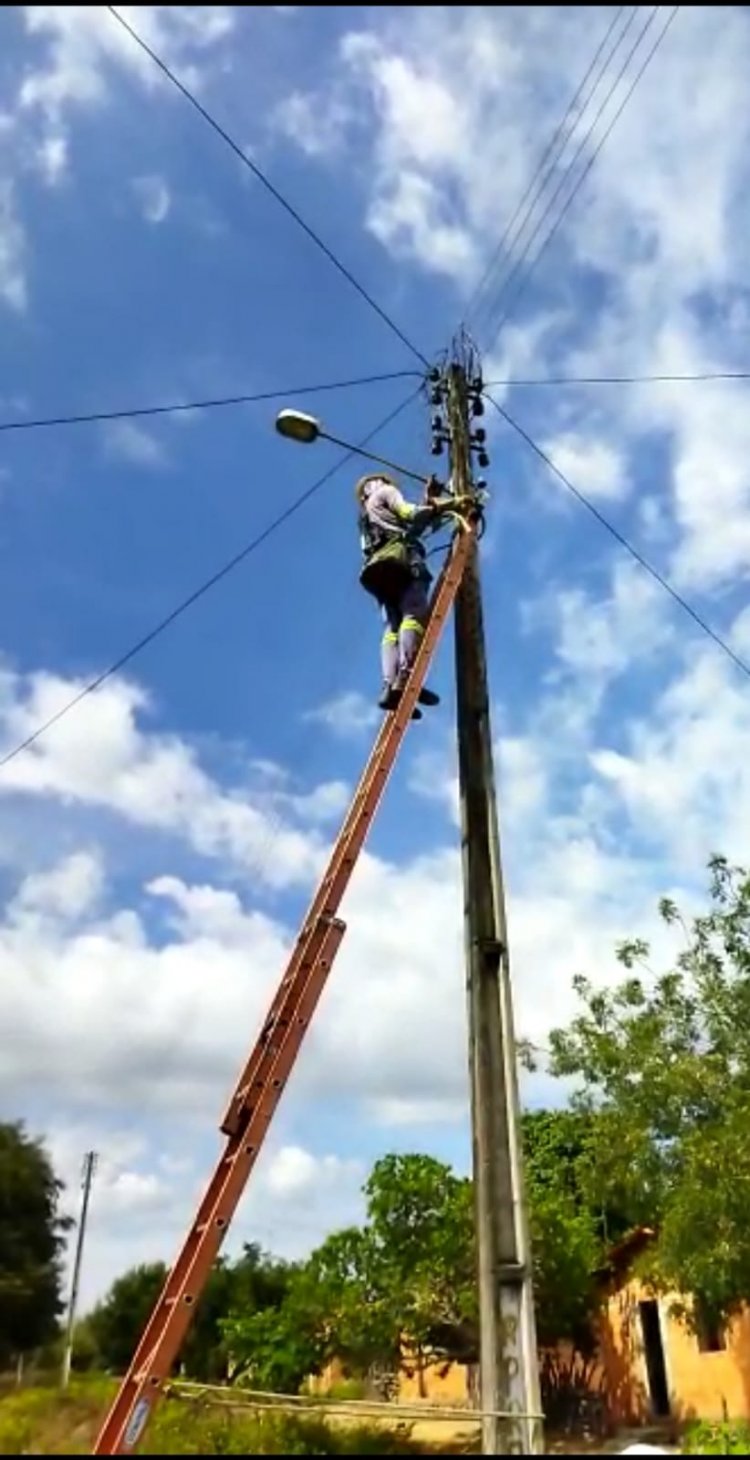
x=392, y=556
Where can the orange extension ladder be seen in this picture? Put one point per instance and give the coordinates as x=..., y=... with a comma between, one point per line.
x=264, y=1077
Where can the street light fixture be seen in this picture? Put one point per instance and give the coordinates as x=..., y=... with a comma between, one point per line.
x=298, y=427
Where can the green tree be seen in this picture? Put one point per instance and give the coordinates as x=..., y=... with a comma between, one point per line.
x=663, y=1065
x=31, y=1242
x=253, y=1281
x=119, y=1320
x=115, y=1326
x=420, y=1221
x=406, y=1280
x=407, y=1274
x=566, y=1226
x=328, y=1308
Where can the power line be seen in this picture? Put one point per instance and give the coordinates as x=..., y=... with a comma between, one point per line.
x=524, y=281
x=537, y=174
x=175, y=407
x=624, y=379
x=200, y=405
x=517, y=265
x=517, y=270
x=267, y=184
x=204, y=588
x=622, y=540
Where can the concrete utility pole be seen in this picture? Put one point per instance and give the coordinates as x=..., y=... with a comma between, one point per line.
x=89, y=1167
x=508, y=1366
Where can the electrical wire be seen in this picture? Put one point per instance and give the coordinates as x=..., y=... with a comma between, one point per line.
x=548, y=151
x=622, y=540
x=517, y=264
x=624, y=379
x=516, y=272
x=201, y=405
x=128, y=413
x=204, y=587
x=267, y=184
x=523, y=282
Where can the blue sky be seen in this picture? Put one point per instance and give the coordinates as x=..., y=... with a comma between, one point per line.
x=159, y=845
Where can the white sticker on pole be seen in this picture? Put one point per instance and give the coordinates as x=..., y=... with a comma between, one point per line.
x=137, y=1424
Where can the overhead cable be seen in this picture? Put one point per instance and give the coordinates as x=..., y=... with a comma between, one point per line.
x=703, y=375
x=523, y=280
x=22, y=424
x=535, y=186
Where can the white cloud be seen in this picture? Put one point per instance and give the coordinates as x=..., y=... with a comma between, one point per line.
x=12, y=250
x=82, y=42
x=101, y=757
x=296, y=1172
x=684, y=776
x=131, y=442
x=412, y=218
x=593, y=466
x=325, y=803
x=52, y=158
x=317, y=131
x=68, y=890
x=348, y=715
x=153, y=198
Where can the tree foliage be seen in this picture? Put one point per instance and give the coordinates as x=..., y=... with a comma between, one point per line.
x=663, y=1066
x=566, y=1228
x=117, y=1323
x=113, y=1329
x=32, y=1235
x=404, y=1284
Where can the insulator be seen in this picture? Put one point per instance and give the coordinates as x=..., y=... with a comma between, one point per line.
x=477, y=385
x=477, y=406
x=480, y=484
x=436, y=396
x=479, y=436
x=483, y=459
x=437, y=446
x=434, y=375
x=437, y=423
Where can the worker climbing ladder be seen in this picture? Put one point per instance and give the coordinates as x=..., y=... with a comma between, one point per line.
x=264, y=1077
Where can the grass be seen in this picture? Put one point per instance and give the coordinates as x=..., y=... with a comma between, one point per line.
x=717, y=1439
x=46, y=1421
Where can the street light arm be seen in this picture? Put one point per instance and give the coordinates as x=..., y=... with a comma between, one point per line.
x=298, y=426
x=403, y=471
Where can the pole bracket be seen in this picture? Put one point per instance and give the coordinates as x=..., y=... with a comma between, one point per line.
x=492, y=950
x=514, y=1273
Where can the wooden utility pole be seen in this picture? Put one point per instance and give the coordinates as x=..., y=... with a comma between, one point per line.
x=508, y=1367
x=89, y=1167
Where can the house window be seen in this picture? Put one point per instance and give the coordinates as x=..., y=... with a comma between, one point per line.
x=709, y=1329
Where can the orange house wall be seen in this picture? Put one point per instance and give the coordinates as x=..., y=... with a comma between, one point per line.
x=711, y=1386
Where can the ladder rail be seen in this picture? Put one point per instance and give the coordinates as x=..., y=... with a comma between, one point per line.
x=353, y=833
x=272, y=1059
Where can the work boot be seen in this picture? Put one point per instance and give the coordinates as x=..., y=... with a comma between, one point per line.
x=389, y=698
x=428, y=697
x=398, y=689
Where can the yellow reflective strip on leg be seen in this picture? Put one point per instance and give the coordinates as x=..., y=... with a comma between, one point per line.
x=390, y=637
x=412, y=625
